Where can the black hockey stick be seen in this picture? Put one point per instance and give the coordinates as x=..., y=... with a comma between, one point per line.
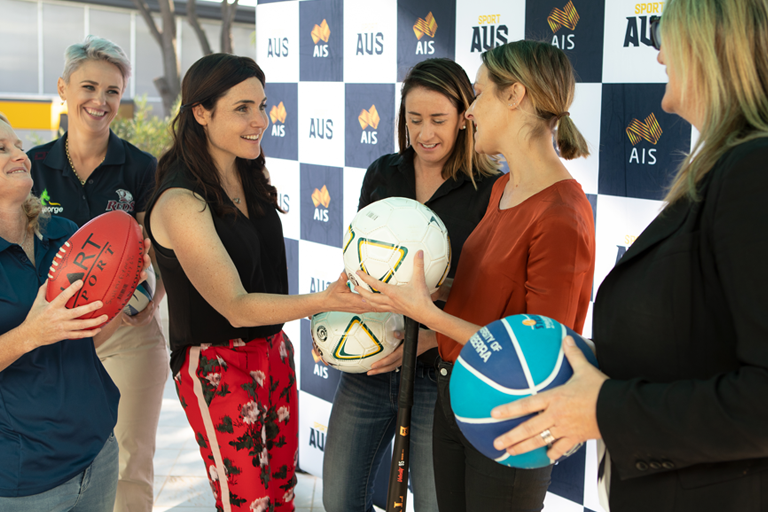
x=398, y=472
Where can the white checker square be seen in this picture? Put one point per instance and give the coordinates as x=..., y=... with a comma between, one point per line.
x=353, y=182
x=313, y=431
x=620, y=220
x=277, y=40
x=285, y=178
x=321, y=123
x=627, y=54
x=585, y=113
x=370, y=42
x=319, y=266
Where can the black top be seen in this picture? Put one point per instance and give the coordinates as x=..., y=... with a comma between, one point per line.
x=257, y=250
x=123, y=181
x=456, y=202
x=681, y=324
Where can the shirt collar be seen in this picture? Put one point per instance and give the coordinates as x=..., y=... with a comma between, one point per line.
x=50, y=231
x=57, y=156
x=404, y=164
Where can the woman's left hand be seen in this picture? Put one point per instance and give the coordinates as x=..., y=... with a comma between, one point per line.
x=145, y=315
x=141, y=318
x=569, y=412
x=412, y=300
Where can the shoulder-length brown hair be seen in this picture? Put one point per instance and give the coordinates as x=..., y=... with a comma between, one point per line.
x=206, y=81
x=450, y=80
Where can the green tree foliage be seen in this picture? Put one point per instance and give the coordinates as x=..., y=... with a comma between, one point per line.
x=146, y=132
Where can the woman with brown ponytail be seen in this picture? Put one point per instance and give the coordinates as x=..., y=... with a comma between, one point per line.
x=533, y=252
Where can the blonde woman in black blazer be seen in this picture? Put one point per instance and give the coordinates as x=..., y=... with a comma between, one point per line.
x=681, y=323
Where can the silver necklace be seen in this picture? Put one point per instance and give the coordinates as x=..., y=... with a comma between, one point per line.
x=236, y=200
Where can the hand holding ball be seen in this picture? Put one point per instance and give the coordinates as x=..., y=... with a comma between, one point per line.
x=352, y=343
x=507, y=360
x=384, y=237
x=107, y=254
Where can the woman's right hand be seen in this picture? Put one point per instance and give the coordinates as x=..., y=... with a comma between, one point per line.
x=51, y=322
x=338, y=297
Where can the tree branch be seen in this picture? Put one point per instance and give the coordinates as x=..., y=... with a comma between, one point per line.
x=195, y=23
x=144, y=10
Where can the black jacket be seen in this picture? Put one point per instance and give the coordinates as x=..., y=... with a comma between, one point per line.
x=681, y=327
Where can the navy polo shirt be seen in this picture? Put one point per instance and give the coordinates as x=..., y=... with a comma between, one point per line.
x=123, y=181
x=58, y=405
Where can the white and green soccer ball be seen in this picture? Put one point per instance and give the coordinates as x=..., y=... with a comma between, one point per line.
x=353, y=342
x=385, y=236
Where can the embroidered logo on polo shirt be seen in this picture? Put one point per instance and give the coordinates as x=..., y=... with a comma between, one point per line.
x=124, y=203
x=48, y=205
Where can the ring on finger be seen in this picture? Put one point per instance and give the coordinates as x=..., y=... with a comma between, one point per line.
x=547, y=437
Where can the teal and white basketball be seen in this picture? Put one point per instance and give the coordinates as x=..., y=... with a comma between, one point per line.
x=509, y=359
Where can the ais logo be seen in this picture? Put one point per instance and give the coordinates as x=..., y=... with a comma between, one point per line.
x=639, y=27
x=568, y=18
x=278, y=115
x=369, y=119
x=425, y=27
x=489, y=33
x=370, y=44
x=277, y=47
x=650, y=131
x=322, y=33
x=320, y=369
x=321, y=198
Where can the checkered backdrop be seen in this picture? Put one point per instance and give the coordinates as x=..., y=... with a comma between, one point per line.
x=334, y=66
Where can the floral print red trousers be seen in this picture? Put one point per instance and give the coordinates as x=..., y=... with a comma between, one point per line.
x=241, y=401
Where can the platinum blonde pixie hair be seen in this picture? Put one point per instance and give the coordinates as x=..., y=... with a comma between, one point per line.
x=95, y=48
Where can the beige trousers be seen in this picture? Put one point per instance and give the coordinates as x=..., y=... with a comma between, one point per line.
x=137, y=360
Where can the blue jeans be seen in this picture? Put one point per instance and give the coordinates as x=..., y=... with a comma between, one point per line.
x=92, y=490
x=360, y=430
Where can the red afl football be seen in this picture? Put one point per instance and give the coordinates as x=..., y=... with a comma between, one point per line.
x=107, y=254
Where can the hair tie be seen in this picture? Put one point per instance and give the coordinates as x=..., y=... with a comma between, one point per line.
x=561, y=114
x=184, y=107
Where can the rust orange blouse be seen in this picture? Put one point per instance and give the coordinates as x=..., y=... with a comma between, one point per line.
x=537, y=257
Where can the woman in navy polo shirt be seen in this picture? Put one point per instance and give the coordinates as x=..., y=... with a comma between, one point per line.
x=57, y=404
x=81, y=175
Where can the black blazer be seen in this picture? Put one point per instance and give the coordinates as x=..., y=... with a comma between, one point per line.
x=681, y=327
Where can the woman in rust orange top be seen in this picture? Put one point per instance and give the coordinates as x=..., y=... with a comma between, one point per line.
x=533, y=252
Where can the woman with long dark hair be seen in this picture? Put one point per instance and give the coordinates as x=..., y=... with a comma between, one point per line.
x=214, y=223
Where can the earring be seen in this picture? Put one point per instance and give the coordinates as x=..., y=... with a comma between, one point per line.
x=464, y=127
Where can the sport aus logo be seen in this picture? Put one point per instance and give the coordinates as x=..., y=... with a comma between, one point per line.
x=489, y=33
x=277, y=47
x=369, y=44
x=320, y=128
x=639, y=27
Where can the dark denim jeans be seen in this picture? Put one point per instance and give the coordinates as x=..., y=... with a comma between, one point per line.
x=360, y=430
x=467, y=480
